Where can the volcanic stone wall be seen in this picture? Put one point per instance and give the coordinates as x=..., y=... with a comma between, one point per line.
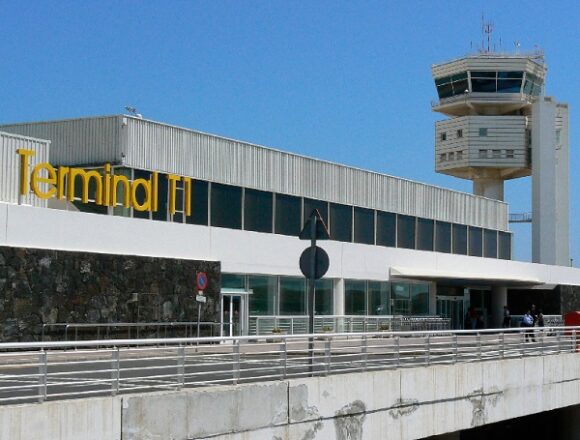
x=47, y=286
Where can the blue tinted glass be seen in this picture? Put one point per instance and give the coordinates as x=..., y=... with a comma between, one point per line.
x=199, y=191
x=226, y=206
x=406, y=232
x=386, y=229
x=257, y=211
x=460, y=239
x=489, y=243
x=504, y=245
x=483, y=85
x=509, y=86
x=443, y=237
x=483, y=74
x=425, y=234
x=364, y=226
x=287, y=215
x=340, y=222
x=475, y=242
x=445, y=90
x=512, y=75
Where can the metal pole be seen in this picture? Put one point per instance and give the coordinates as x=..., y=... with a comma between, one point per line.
x=313, y=220
x=198, y=318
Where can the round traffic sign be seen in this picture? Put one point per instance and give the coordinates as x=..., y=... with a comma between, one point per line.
x=201, y=280
x=321, y=263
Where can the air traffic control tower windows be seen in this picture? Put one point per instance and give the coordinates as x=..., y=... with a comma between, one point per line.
x=488, y=82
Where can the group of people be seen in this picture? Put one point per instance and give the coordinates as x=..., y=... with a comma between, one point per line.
x=532, y=318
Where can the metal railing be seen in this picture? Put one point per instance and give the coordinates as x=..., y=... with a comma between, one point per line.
x=126, y=330
x=298, y=324
x=39, y=371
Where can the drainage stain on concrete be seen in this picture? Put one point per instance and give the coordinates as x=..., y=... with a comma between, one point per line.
x=349, y=421
x=403, y=407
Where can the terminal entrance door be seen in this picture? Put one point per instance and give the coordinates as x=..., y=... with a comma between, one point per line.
x=234, y=312
x=452, y=307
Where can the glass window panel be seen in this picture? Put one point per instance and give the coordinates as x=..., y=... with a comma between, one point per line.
x=445, y=90
x=528, y=87
x=509, y=86
x=364, y=226
x=311, y=204
x=386, y=228
x=140, y=193
x=287, y=215
x=460, y=239
x=177, y=217
x=459, y=76
x=439, y=81
x=504, y=239
x=443, y=237
x=199, y=191
x=460, y=87
x=263, y=297
x=425, y=229
x=162, y=213
x=420, y=299
x=292, y=296
x=475, y=241
x=257, y=211
x=406, y=232
x=233, y=281
x=226, y=206
x=340, y=222
x=483, y=74
x=400, y=299
x=510, y=75
x=483, y=85
x=490, y=243
x=120, y=210
x=323, y=297
x=354, y=297
x=378, y=298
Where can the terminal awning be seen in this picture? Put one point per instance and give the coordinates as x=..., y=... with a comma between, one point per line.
x=463, y=278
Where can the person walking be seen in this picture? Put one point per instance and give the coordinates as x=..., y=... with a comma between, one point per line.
x=528, y=321
x=507, y=318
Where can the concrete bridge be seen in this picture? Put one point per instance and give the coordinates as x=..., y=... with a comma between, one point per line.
x=368, y=386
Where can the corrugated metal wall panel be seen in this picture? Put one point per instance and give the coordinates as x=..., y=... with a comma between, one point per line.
x=10, y=166
x=150, y=145
x=156, y=146
x=76, y=141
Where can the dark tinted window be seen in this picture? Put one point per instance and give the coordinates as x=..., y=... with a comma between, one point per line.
x=406, y=232
x=386, y=229
x=292, y=296
x=443, y=237
x=323, y=297
x=475, y=242
x=460, y=239
x=198, y=203
x=504, y=245
x=489, y=243
x=263, y=297
x=140, y=193
x=340, y=222
x=287, y=215
x=354, y=297
x=257, y=211
x=364, y=226
x=425, y=234
x=310, y=205
x=226, y=206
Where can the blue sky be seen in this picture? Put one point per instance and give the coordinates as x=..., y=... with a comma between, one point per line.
x=343, y=81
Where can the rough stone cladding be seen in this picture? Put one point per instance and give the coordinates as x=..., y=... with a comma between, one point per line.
x=48, y=286
x=569, y=298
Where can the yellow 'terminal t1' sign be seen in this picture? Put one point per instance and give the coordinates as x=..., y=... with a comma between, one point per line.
x=47, y=182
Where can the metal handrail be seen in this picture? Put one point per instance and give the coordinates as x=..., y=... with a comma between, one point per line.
x=39, y=371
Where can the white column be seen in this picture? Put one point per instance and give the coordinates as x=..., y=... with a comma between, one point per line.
x=498, y=300
x=488, y=187
x=338, y=297
x=550, y=170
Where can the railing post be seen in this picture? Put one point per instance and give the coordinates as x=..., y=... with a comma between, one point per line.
x=364, y=349
x=42, y=375
x=180, y=366
x=574, y=341
x=455, y=347
x=479, y=345
x=502, y=344
x=428, y=351
x=327, y=355
x=236, y=363
x=115, y=370
x=559, y=341
x=284, y=357
x=398, y=353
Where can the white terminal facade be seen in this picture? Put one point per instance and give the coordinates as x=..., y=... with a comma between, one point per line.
x=398, y=247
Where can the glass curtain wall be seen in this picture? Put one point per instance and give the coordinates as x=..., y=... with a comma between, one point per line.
x=293, y=296
x=324, y=297
x=263, y=297
x=378, y=298
x=355, y=297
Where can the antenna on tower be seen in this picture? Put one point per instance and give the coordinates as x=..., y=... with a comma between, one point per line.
x=487, y=28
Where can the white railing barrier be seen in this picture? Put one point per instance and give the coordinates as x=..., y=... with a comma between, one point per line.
x=40, y=371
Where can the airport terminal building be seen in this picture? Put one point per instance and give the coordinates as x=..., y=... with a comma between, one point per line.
x=110, y=219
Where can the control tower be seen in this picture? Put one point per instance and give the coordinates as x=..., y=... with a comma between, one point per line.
x=501, y=126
